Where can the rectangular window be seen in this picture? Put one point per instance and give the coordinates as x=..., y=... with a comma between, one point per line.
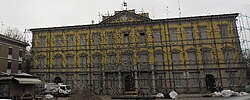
x=20, y=53
x=58, y=40
x=157, y=36
x=42, y=41
x=224, y=31
x=189, y=33
x=96, y=38
x=173, y=34
x=9, y=65
x=83, y=80
x=142, y=37
x=232, y=78
x=10, y=51
x=126, y=37
x=83, y=39
x=111, y=38
x=97, y=81
x=69, y=79
x=203, y=32
x=160, y=78
x=194, y=79
x=70, y=40
x=179, y=79
x=19, y=66
x=144, y=83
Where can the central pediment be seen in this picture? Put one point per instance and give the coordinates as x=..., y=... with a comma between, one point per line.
x=125, y=16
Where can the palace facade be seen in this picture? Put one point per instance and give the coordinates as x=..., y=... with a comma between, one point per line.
x=128, y=51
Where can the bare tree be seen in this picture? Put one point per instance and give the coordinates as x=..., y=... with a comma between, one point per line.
x=14, y=33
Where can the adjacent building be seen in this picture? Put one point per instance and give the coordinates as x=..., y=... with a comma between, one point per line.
x=128, y=51
x=12, y=55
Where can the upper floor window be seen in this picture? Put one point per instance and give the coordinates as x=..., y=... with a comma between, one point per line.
x=159, y=59
x=111, y=38
x=176, y=57
x=83, y=39
x=206, y=56
x=42, y=41
x=144, y=58
x=9, y=65
x=83, y=61
x=58, y=40
x=19, y=66
x=97, y=60
x=203, y=32
x=10, y=51
x=20, y=53
x=192, y=56
x=96, y=38
x=157, y=36
x=58, y=60
x=142, y=37
x=228, y=55
x=127, y=58
x=224, y=31
x=111, y=59
x=126, y=37
x=70, y=40
x=69, y=60
x=189, y=33
x=41, y=61
x=173, y=34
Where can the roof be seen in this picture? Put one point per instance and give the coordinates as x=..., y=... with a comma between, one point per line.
x=13, y=40
x=142, y=20
x=21, y=78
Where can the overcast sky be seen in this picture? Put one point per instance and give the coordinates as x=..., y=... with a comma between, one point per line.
x=26, y=14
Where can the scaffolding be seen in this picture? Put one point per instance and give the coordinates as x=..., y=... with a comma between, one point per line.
x=99, y=78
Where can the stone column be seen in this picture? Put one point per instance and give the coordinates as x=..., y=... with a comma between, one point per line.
x=153, y=78
x=136, y=81
x=120, y=82
x=103, y=83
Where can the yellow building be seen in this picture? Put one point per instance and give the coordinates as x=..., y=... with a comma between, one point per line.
x=131, y=52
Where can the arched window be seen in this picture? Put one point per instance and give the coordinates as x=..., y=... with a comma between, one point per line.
x=127, y=60
x=97, y=61
x=206, y=56
x=143, y=60
x=176, y=57
x=83, y=61
x=41, y=61
x=111, y=60
x=58, y=61
x=192, y=58
x=159, y=60
x=228, y=55
x=69, y=60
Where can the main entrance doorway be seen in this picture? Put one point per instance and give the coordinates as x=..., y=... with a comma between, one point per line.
x=129, y=83
x=210, y=83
